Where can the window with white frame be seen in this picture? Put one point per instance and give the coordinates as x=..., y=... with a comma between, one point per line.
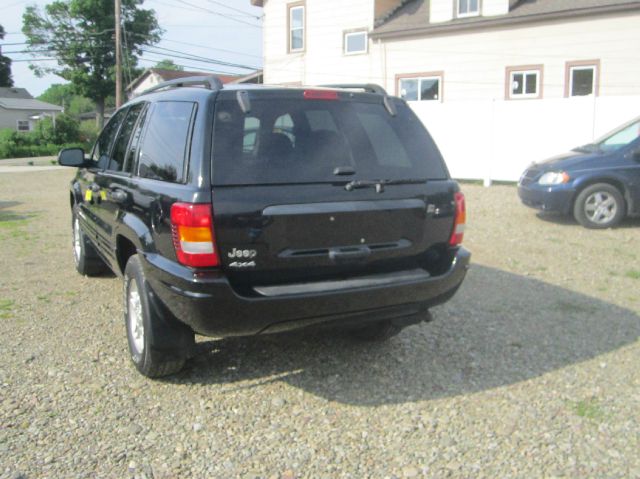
x=422, y=88
x=468, y=8
x=582, y=80
x=296, y=27
x=524, y=83
x=355, y=42
x=23, y=125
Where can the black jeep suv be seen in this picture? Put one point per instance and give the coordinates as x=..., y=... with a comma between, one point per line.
x=253, y=209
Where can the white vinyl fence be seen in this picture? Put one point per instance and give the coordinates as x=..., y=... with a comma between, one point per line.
x=497, y=140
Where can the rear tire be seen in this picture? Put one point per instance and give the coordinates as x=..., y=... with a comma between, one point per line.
x=139, y=318
x=599, y=206
x=86, y=259
x=376, y=332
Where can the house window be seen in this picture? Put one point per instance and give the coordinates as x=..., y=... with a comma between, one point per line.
x=423, y=87
x=468, y=8
x=524, y=82
x=296, y=27
x=581, y=78
x=355, y=42
x=23, y=125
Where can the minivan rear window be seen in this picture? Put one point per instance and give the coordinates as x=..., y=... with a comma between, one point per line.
x=304, y=141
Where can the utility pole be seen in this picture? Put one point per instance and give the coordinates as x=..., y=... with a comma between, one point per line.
x=118, y=58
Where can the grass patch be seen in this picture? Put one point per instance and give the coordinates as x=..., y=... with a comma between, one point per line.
x=44, y=297
x=589, y=409
x=633, y=274
x=6, y=306
x=12, y=225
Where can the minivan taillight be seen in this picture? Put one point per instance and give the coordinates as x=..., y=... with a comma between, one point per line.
x=460, y=219
x=192, y=230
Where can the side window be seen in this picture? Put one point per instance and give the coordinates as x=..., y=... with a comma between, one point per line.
x=164, y=147
x=102, y=147
x=132, y=153
x=120, y=149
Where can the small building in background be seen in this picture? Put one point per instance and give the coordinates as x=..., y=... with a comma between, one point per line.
x=19, y=111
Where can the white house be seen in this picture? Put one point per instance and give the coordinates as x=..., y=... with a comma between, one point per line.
x=499, y=83
x=20, y=111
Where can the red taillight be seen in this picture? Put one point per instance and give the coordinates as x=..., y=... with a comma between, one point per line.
x=460, y=219
x=320, y=95
x=192, y=229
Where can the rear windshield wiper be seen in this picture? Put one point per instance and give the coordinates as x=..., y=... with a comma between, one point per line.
x=380, y=184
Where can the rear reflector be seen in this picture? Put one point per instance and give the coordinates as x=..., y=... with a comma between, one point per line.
x=459, y=222
x=320, y=95
x=192, y=229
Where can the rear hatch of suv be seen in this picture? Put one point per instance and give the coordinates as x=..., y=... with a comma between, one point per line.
x=325, y=185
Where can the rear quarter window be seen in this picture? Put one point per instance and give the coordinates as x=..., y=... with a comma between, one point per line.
x=165, y=144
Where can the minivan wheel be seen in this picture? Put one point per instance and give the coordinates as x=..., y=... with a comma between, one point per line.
x=139, y=319
x=378, y=331
x=599, y=206
x=85, y=257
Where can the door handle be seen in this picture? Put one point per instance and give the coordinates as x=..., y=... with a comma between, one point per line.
x=347, y=254
x=117, y=196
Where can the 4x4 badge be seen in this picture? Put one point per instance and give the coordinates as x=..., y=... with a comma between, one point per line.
x=243, y=264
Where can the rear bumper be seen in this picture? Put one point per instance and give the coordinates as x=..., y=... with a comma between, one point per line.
x=207, y=303
x=552, y=199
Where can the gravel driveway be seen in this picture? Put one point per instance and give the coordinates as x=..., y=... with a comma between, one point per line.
x=531, y=371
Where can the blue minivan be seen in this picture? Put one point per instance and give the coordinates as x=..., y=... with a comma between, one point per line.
x=598, y=183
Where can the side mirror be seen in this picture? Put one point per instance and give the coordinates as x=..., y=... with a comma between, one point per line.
x=71, y=157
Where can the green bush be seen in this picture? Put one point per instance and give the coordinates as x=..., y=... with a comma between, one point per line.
x=89, y=131
x=66, y=130
x=45, y=140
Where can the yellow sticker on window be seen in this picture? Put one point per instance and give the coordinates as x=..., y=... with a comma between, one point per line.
x=103, y=195
x=88, y=195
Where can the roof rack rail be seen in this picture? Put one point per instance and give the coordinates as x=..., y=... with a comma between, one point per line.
x=367, y=87
x=210, y=82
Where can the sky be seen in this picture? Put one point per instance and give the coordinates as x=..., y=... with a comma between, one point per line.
x=224, y=30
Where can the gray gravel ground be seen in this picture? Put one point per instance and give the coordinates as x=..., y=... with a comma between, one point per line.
x=531, y=371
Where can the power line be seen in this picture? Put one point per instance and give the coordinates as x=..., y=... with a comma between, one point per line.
x=234, y=9
x=198, y=58
x=195, y=68
x=211, y=62
x=218, y=13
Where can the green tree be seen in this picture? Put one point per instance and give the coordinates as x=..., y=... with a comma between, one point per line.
x=65, y=96
x=79, y=34
x=167, y=64
x=5, y=66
